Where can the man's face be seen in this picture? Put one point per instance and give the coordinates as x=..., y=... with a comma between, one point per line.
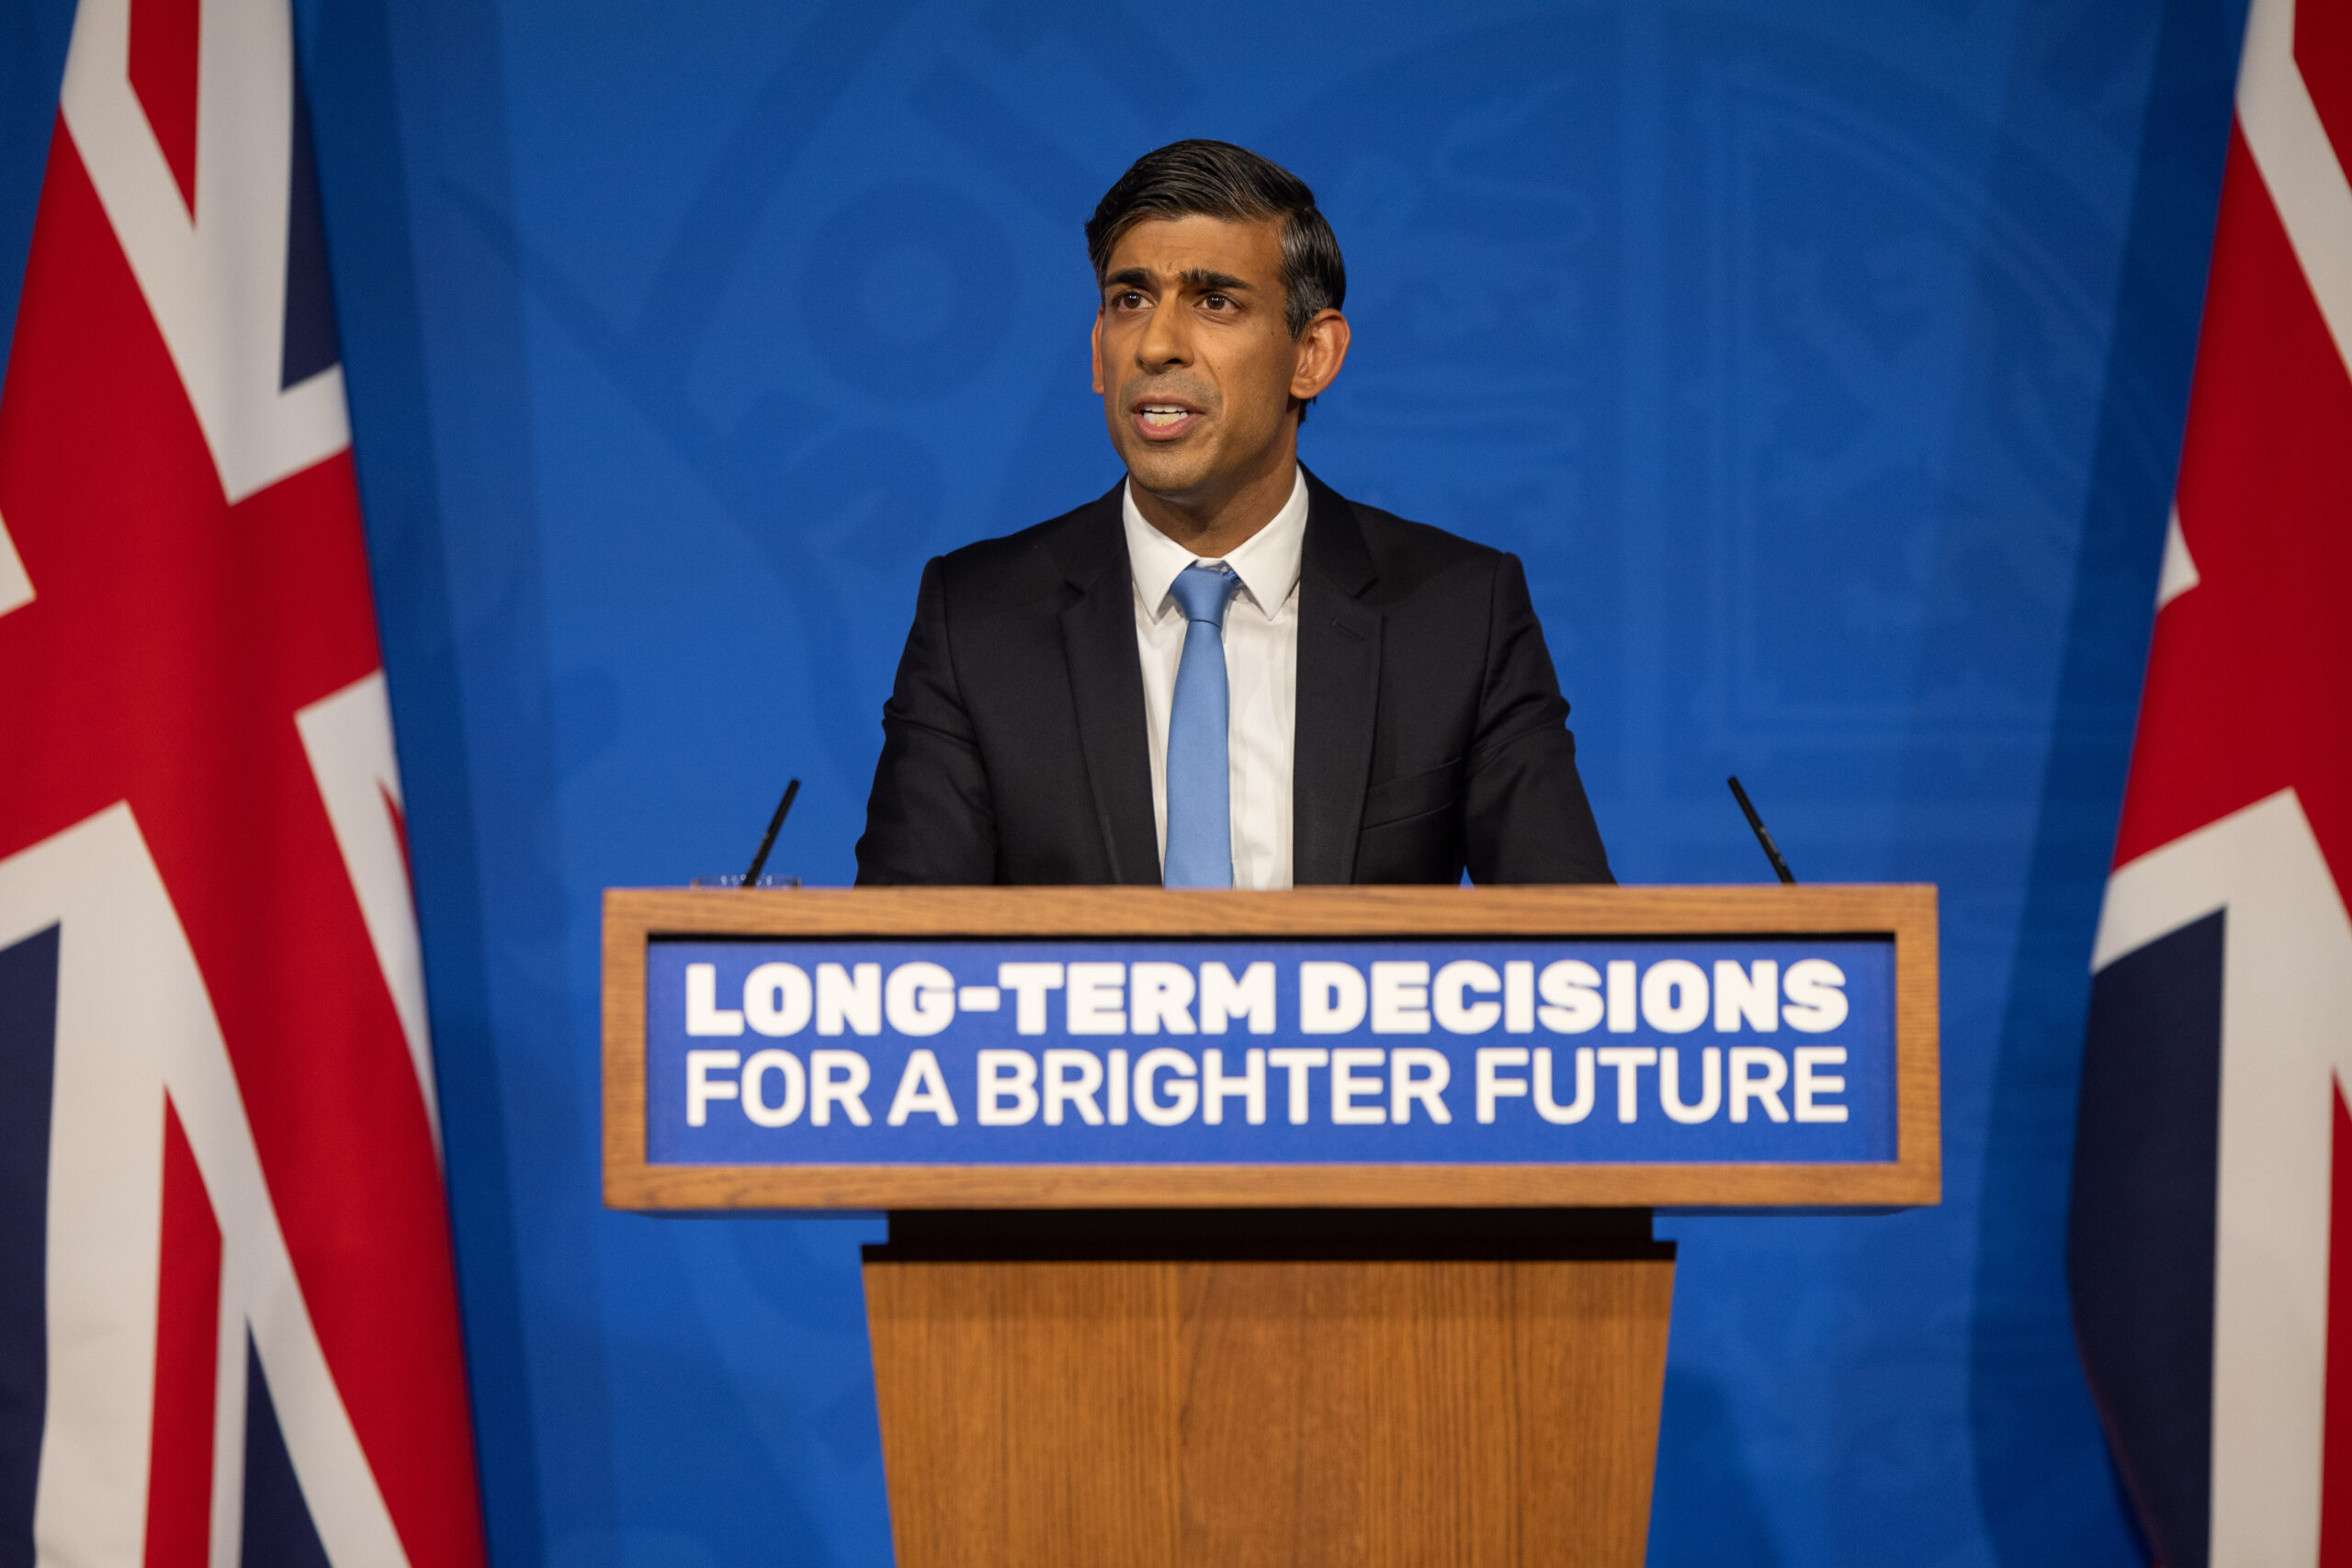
x=1195, y=364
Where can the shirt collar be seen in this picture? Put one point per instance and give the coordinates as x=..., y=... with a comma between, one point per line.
x=1267, y=562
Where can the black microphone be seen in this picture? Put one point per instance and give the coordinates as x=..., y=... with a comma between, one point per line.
x=1771, y=850
x=760, y=861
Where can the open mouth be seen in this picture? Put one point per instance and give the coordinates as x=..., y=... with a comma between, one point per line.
x=1162, y=421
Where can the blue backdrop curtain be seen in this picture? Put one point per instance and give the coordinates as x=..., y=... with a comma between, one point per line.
x=1825, y=360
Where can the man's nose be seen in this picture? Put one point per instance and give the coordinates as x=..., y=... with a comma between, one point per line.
x=1165, y=341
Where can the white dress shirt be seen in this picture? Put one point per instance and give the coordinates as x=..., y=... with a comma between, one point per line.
x=1261, y=672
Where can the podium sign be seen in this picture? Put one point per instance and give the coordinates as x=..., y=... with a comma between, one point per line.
x=1077, y=1048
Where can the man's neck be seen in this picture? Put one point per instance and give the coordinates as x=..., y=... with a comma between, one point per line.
x=1214, y=528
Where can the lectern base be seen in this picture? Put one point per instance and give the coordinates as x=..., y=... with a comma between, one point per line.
x=1242, y=1387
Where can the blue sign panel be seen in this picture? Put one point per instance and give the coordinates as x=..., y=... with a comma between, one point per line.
x=1139, y=1051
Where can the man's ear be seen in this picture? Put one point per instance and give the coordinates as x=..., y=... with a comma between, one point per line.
x=1322, y=349
x=1094, y=346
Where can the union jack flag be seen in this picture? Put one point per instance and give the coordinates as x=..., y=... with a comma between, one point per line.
x=2211, y=1242
x=227, y=1318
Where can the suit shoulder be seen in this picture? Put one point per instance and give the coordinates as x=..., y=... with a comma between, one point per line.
x=1009, y=555
x=1410, y=553
x=1018, y=566
x=1402, y=533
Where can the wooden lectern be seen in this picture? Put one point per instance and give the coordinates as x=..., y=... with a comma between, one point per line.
x=1243, y=1228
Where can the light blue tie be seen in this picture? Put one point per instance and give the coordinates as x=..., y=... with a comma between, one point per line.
x=1200, y=789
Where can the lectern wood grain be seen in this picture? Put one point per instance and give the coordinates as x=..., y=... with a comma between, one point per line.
x=1248, y=1412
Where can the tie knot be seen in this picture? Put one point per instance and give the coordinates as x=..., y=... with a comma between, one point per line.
x=1202, y=592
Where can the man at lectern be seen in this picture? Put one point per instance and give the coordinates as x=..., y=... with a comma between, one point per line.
x=1224, y=672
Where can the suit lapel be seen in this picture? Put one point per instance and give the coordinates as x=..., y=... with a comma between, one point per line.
x=1106, y=684
x=1339, y=691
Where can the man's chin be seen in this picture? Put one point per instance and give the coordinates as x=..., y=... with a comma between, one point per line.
x=1169, y=470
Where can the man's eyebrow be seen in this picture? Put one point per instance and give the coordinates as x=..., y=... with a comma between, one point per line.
x=1198, y=278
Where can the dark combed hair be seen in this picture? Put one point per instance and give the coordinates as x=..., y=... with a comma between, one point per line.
x=1217, y=179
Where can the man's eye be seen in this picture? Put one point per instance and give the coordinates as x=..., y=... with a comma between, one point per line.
x=1129, y=301
x=1217, y=301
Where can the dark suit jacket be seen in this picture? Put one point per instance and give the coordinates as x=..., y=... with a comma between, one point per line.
x=1431, y=732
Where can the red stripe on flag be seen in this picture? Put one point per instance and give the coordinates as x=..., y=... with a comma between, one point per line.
x=2335, y=1444
x=2250, y=672
x=171, y=641
x=187, y=1364
x=165, y=36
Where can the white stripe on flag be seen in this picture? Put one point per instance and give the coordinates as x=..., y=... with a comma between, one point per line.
x=2179, y=574
x=16, y=588
x=348, y=739
x=2305, y=176
x=2286, y=991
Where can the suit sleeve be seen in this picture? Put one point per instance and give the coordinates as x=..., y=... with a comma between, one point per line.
x=1525, y=816
x=929, y=819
